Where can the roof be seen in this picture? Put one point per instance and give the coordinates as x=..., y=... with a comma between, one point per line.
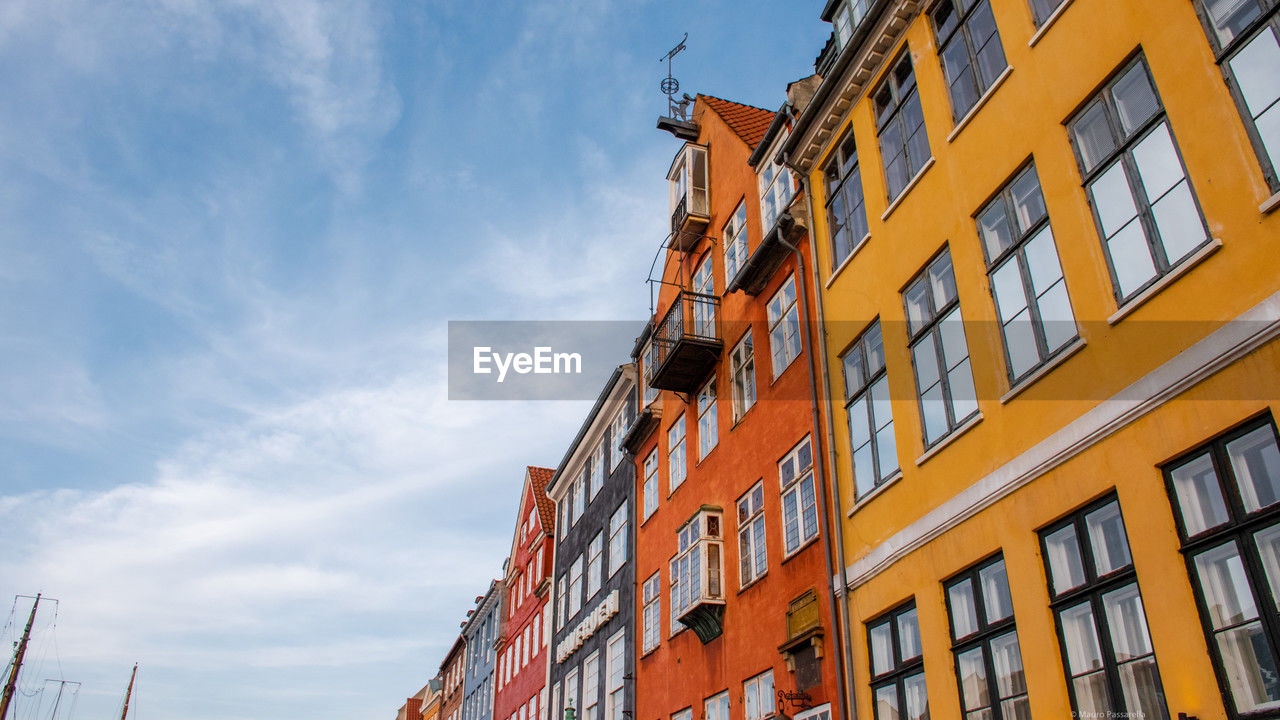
x=539, y=477
x=746, y=121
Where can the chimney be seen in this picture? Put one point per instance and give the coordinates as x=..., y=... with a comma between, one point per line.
x=800, y=92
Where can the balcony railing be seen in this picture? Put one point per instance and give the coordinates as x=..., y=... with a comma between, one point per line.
x=686, y=343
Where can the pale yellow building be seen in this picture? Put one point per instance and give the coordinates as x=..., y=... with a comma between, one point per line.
x=1049, y=274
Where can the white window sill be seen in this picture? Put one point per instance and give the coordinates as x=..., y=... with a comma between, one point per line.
x=1074, y=347
x=973, y=111
x=862, y=501
x=906, y=190
x=1048, y=23
x=1270, y=205
x=961, y=429
x=1183, y=267
x=836, y=273
x=789, y=555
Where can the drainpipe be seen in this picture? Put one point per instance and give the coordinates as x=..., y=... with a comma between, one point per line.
x=842, y=698
x=845, y=666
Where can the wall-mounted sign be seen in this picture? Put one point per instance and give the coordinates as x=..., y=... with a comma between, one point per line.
x=585, y=629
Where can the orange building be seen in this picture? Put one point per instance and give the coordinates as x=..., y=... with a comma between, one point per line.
x=733, y=606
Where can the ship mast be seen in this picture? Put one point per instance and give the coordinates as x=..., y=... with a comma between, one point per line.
x=127, y=693
x=12, y=682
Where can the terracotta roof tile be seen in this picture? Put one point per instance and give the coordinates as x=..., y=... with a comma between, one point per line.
x=747, y=121
x=540, y=476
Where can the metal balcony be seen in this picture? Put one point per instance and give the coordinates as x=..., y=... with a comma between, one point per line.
x=686, y=343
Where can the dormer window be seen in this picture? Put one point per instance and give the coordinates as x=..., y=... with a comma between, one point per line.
x=847, y=18
x=688, y=186
x=777, y=185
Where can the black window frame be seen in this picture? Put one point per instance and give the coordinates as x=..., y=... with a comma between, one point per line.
x=851, y=395
x=1122, y=153
x=892, y=114
x=902, y=669
x=841, y=176
x=982, y=637
x=1092, y=590
x=1239, y=529
x=1042, y=18
x=963, y=11
x=1017, y=252
x=1268, y=18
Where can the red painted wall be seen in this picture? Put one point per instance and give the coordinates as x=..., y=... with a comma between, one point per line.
x=682, y=672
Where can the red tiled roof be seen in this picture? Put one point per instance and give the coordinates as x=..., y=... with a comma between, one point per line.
x=540, y=476
x=747, y=121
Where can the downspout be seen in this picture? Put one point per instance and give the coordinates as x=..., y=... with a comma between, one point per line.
x=846, y=666
x=842, y=698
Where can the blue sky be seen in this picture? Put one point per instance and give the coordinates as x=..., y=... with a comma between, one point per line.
x=231, y=236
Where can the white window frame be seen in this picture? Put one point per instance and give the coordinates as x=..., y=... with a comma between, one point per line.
x=777, y=188
x=793, y=477
x=597, y=469
x=651, y=612
x=617, y=429
x=615, y=674
x=708, y=426
x=595, y=564
x=618, y=538
x=742, y=375
x=735, y=242
x=753, y=689
x=591, y=687
x=784, y=327
x=650, y=489
x=698, y=567
x=677, y=461
x=575, y=586
x=716, y=707
x=752, y=547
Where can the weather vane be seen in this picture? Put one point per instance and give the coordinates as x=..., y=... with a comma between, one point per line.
x=678, y=109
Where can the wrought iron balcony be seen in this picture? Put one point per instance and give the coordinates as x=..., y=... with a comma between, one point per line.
x=688, y=225
x=686, y=343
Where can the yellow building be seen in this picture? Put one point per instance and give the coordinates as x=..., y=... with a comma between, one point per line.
x=1049, y=274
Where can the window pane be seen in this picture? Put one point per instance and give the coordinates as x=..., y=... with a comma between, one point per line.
x=1092, y=699
x=1108, y=540
x=908, y=636
x=1131, y=258
x=954, y=347
x=1199, y=496
x=1028, y=202
x=1094, y=139
x=972, y=667
x=881, y=649
x=942, y=281
x=887, y=703
x=1056, y=316
x=1127, y=623
x=1066, y=568
x=1158, y=162
x=1113, y=199
x=854, y=374
x=1268, y=125
x=1042, y=261
x=882, y=413
x=934, y=409
x=1268, y=541
x=1256, y=68
x=996, y=600
x=1255, y=460
x=1143, y=696
x=964, y=400
x=1178, y=220
x=1225, y=586
x=1249, y=662
x=982, y=31
x=1019, y=336
x=917, y=698
x=1006, y=657
x=917, y=303
x=995, y=229
x=1231, y=16
x=1135, y=98
x=1081, y=638
x=1011, y=297
x=964, y=614
x=924, y=356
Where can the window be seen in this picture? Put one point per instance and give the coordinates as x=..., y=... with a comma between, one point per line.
x=1225, y=498
x=897, y=666
x=870, y=414
x=1110, y=664
x=675, y=455
x=617, y=430
x=579, y=490
x=536, y=637
x=757, y=696
x=597, y=468
x=615, y=670
x=1145, y=209
x=776, y=188
x=735, y=242
x=571, y=690
x=1246, y=36
x=799, y=498
x=752, y=559
x=784, y=326
x=847, y=18
x=985, y=644
x=685, y=714
x=696, y=569
x=618, y=539
x=555, y=707
x=742, y=371
x=651, y=598
x=846, y=205
x=688, y=182
x=650, y=484
x=591, y=687
x=595, y=564
x=716, y=707
x=707, y=429
x=822, y=712
x=650, y=356
x=969, y=45
x=1044, y=9
x=904, y=144
x=1026, y=278
x=575, y=586
x=563, y=614
x=704, y=308
x=939, y=350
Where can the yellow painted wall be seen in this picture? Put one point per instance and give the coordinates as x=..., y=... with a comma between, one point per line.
x=1023, y=117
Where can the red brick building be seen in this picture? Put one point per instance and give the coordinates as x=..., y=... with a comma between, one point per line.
x=734, y=604
x=521, y=673
x=452, y=670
